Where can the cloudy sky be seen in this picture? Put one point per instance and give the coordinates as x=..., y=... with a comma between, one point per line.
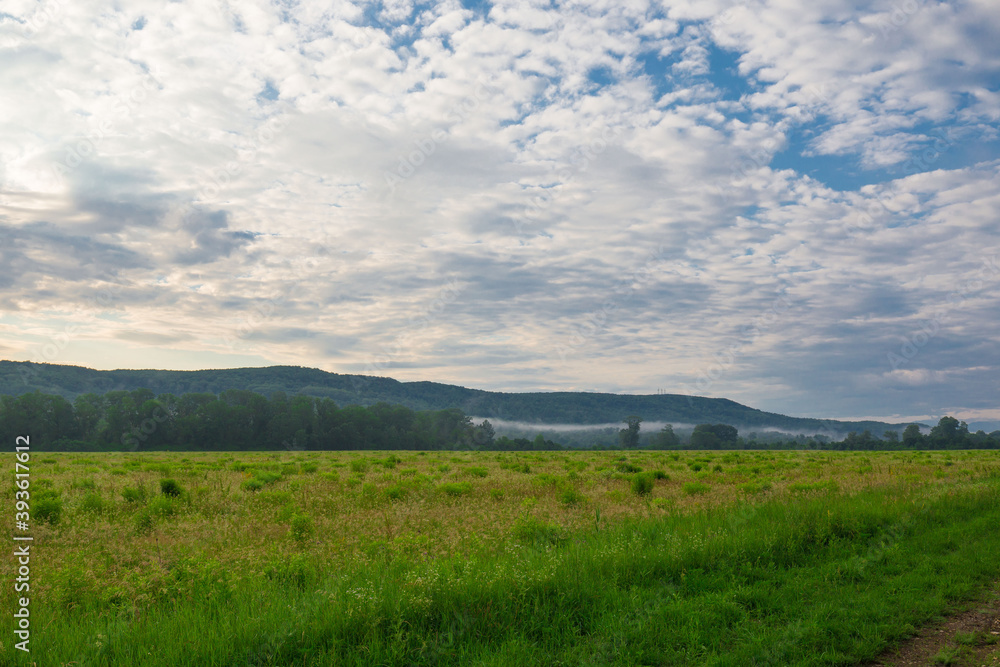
x=790, y=204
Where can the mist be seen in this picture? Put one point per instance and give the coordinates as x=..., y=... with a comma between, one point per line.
x=510, y=427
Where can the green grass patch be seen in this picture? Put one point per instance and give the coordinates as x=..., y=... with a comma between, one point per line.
x=839, y=576
x=696, y=488
x=828, y=486
x=456, y=488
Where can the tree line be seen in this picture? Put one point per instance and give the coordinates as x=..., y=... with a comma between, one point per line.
x=949, y=433
x=235, y=420
x=240, y=420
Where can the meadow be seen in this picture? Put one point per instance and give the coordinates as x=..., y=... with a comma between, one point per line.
x=493, y=558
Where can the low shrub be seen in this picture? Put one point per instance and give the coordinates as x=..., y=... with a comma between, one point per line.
x=395, y=492
x=267, y=477
x=169, y=487
x=92, y=503
x=390, y=461
x=456, y=488
x=545, y=479
x=755, y=488
x=47, y=507
x=134, y=494
x=642, y=484
x=571, y=497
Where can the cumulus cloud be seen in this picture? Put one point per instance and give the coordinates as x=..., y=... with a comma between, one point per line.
x=790, y=206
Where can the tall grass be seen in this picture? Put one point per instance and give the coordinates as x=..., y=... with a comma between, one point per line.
x=780, y=558
x=811, y=577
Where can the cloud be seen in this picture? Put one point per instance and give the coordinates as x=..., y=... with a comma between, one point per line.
x=753, y=200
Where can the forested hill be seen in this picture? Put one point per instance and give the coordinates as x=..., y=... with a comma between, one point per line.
x=18, y=378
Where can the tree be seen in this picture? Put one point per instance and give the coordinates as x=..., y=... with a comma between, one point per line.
x=482, y=435
x=666, y=439
x=728, y=435
x=950, y=433
x=629, y=436
x=714, y=436
x=704, y=438
x=912, y=438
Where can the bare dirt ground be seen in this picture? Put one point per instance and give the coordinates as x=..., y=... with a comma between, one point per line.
x=967, y=638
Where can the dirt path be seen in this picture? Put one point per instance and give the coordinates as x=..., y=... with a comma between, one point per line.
x=968, y=638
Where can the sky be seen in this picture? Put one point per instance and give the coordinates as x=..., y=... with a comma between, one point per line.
x=793, y=205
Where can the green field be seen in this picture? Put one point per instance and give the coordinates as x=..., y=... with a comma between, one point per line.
x=487, y=558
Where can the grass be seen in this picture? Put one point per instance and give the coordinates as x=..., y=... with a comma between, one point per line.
x=696, y=488
x=785, y=558
x=642, y=484
x=949, y=655
x=456, y=488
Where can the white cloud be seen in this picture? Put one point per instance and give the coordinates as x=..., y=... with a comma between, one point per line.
x=296, y=185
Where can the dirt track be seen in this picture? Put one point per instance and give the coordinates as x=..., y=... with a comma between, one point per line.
x=965, y=639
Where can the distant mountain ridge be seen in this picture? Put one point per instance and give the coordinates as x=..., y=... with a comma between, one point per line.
x=540, y=408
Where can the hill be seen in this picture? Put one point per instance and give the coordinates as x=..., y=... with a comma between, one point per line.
x=581, y=408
